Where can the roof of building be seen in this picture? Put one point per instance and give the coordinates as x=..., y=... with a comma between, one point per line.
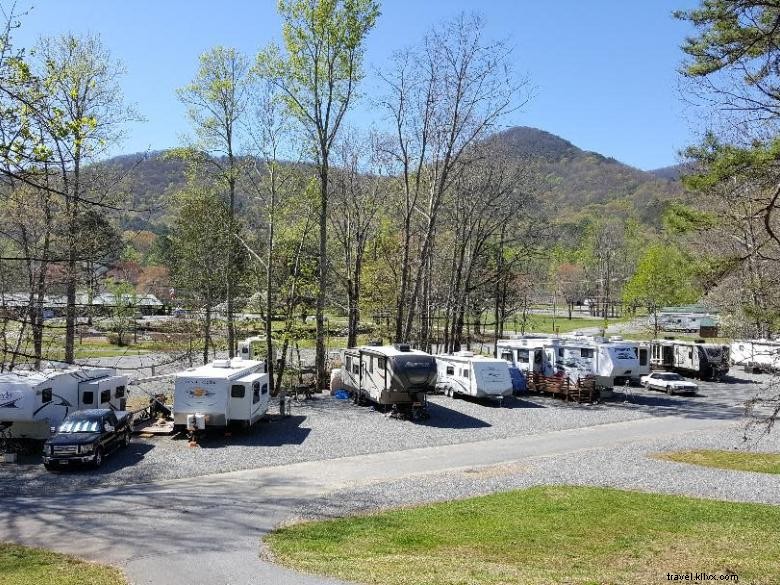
x=695, y=309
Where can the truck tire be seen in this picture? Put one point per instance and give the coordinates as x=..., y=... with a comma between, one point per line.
x=97, y=460
x=669, y=390
x=49, y=467
x=126, y=440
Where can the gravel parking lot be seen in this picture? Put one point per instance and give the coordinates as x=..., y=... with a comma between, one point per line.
x=326, y=428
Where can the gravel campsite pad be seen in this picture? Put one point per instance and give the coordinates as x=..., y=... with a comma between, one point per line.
x=325, y=427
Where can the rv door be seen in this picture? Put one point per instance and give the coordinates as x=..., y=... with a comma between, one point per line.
x=238, y=402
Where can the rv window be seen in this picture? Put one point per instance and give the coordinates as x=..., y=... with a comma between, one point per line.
x=506, y=355
x=356, y=369
x=87, y=398
x=450, y=371
x=105, y=396
x=560, y=352
x=348, y=363
x=380, y=363
x=522, y=356
x=690, y=355
x=255, y=392
x=46, y=395
x=237, y=391
x=642, y=357
x=586, y=352
x=464, y=372
x=120, y=392
x=371, y=364
x=264, y=389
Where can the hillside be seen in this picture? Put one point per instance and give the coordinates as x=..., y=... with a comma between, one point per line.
x=570, y=180
x=573, y=179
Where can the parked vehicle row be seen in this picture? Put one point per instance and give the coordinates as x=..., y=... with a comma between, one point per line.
x=86, y=406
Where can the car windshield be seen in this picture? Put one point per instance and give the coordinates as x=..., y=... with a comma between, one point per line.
x=80, y=425
x=670, y=376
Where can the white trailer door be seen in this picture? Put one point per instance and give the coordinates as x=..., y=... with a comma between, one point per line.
x=240, y=401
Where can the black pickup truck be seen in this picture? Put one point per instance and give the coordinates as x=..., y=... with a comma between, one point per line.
x=87, y=436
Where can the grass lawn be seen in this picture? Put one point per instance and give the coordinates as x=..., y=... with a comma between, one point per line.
x=31, y=566
x=545, y=324
x=540, y=536
x=741, y=461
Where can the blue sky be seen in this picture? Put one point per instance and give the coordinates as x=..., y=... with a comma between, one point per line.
x=605, y=71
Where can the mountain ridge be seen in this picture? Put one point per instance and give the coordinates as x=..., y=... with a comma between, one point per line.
x=569, y=178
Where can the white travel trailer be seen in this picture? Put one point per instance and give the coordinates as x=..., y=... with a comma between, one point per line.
x=395, y=375
x=697, y=358
x=220, y=393
x=761, y=355
x=473, y=375
x=530, y=354
x=32, y=402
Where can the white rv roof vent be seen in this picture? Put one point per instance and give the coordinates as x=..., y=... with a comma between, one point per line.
x=616, y=338
x=464, y=353
x=221, y=363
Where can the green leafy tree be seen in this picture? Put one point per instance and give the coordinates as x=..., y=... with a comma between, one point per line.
x=125, y=303
x=199, y=262
x=663, y=277
x=317, y=74
x=217, y=100
x=736, y=51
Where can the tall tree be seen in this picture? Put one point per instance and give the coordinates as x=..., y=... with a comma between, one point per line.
x=271, y=180
x=360, y=188
x=200, y=236
x=84, y=115
x=217, y=100
x=442, y=98
x=318, y=73
x=663, y=277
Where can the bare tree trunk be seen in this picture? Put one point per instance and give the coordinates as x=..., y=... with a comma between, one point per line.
x=207, y=334
x=319, y=360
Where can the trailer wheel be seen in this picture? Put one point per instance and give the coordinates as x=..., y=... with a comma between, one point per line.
x=126, y=440
x=49, y=467
x=669, y=390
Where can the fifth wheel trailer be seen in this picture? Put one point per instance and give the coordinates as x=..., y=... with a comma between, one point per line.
x=389, y=375
x=694, y=358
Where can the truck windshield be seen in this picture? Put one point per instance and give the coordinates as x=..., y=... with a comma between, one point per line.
x=80, y=425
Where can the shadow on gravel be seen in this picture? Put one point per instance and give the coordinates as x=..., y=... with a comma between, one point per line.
x=698, y=406
x=274, y=432
x=734, y=380
x=445, y=418
x=516, y=402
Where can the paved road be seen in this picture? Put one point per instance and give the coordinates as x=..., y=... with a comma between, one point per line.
x=208, y=529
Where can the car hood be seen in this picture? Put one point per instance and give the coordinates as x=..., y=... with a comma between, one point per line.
x=73, y=438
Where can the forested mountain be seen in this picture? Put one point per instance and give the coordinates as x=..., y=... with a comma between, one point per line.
x=572, y=179
x=569, y=179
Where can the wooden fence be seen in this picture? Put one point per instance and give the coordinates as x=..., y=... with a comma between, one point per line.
x=583, y=390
